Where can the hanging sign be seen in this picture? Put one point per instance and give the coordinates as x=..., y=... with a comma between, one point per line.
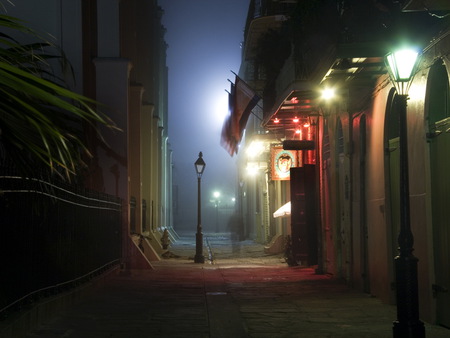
x=281, y=162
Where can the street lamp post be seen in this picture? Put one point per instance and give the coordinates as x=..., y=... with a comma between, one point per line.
x=401, y=66
x=199, y=168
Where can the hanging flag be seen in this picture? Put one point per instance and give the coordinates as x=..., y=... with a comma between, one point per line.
x=245, y=99
x=227, y=140
x=241, y=100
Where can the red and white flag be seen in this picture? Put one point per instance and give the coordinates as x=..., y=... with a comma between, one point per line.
x=242, y=99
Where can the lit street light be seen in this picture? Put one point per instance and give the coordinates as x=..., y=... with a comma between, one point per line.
x=199, y=168
x=401, y=66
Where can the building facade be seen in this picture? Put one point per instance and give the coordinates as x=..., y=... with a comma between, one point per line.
x=118, y=54
x=344, y=152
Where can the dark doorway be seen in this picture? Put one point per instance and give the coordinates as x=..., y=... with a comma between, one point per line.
x=303, y=214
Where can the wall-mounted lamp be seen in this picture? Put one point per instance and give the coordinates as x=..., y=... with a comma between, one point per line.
x=328, y=93
x=307, y=123
x=402, y=64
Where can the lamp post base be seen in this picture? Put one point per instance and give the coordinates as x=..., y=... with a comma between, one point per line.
x=407, y=324
x=411, y=330
x=199, y=258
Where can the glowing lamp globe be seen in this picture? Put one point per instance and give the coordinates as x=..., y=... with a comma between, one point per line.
x=200, y=165
x=401, y=65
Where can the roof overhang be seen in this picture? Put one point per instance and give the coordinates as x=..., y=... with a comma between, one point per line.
x=355, y=71
x=426, y=5
x=294, y=110
x=350, y=65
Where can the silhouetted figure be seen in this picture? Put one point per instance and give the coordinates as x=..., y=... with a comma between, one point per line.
x=235, y=227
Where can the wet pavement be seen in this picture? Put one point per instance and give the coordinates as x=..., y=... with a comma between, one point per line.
x=241, y=293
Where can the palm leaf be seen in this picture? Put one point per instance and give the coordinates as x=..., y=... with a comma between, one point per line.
x=40, y=120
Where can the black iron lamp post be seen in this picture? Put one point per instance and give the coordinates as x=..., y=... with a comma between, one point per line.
x=199, y=168
x=401, y=65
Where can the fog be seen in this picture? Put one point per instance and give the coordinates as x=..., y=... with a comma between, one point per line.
x=204, y=38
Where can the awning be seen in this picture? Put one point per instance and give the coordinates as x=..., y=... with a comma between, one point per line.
x=284, y=211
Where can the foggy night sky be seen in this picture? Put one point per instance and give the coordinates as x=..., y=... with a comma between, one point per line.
x=203, y=38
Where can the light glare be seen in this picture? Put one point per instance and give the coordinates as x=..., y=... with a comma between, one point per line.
x=251, y=170
x=255, y=149
x=328, y=93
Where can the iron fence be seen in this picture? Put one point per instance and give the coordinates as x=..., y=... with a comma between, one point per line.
x=53, y=236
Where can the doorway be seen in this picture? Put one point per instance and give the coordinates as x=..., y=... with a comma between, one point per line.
x=343, y=257
x=364, y=232
x=326, y=204
x=303, y=215
x=438, y=108
x=392, y=171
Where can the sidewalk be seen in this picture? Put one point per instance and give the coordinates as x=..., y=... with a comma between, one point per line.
x=244, y=293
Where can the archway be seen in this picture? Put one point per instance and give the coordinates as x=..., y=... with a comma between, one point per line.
x=438, y=115
x=327, y=219
x=364, y=232
x=392, y=188
x=343, y=254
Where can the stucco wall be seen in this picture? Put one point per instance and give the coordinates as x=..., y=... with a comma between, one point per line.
x=380, y=256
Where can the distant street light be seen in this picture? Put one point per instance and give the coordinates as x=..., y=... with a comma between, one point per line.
x=401, y=65
x=199, y=168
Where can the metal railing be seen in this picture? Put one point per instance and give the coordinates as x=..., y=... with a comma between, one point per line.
x=53, y=236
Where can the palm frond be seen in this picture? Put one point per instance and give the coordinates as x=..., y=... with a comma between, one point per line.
x=41, y=120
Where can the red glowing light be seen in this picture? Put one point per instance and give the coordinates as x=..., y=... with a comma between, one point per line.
x=295, y=119
x=294, y=100
x=276, y=120
x=306, y=125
